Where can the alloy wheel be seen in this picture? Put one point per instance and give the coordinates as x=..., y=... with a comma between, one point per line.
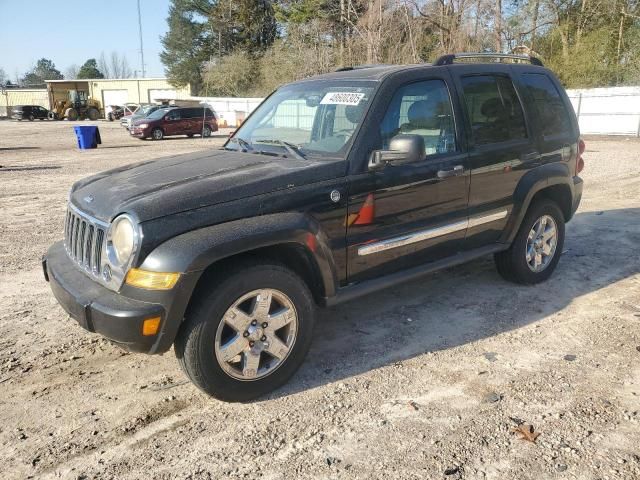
x=256, y=334
x=541, y=243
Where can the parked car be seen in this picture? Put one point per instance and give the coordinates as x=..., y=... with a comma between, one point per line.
x=29, y=112
x=130, y=109
x=143, y=112
x=187, y=121
x=336, y=186
x=114, y=112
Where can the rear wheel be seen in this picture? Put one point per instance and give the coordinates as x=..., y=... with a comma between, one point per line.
x=248, y=334
x=157, y=134
x=31, y=118
x=206, y=131
x=536, y=250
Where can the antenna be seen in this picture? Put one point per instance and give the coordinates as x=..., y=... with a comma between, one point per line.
x=140, y=33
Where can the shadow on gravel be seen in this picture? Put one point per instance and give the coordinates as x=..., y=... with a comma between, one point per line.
x=465, y=303
x=6, y=149
x=32, y=167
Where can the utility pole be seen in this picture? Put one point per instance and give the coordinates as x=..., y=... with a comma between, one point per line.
x=140, y=33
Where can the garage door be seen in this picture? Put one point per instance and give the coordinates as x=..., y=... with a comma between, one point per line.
x=162, y=94
x=114, y=97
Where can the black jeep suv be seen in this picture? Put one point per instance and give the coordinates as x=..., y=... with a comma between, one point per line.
x=334, y=187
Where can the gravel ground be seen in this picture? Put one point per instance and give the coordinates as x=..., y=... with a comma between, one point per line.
x=424, y=381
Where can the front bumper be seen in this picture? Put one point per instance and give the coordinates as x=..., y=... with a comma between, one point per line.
x=139, y=132
x=117, y=316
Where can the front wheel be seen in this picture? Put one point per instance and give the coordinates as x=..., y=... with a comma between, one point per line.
x=536, y=250
x=248, y=334
x=157, y=134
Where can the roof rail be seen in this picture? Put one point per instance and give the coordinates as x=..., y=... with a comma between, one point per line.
x=359, y=67
x=449, y=59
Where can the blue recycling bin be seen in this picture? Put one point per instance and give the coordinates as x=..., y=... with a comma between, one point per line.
x=88, y=136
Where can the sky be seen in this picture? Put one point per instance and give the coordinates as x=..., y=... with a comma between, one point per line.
x=72, y=31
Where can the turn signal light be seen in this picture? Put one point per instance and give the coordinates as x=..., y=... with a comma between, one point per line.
x=151, y=280
x=150, y=326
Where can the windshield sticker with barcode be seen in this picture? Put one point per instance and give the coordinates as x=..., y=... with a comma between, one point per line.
x=342, y=98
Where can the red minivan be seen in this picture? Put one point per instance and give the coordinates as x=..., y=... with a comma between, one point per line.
x=168, y=122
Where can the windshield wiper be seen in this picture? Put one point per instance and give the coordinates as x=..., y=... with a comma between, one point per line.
x=291, y=149
x=242, y=142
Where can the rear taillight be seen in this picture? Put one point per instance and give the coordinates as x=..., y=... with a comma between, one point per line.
x=580, y=160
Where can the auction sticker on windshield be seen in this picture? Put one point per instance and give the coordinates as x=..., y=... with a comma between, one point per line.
x=342, y=98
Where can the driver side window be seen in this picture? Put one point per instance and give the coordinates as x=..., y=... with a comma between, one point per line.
x=421, y=108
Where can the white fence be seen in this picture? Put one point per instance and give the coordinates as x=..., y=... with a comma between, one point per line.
x=607, y=111
x=600, y=111
x=231, y=111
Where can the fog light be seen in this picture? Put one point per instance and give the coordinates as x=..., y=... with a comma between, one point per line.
x=150, y=326
x=151, y=280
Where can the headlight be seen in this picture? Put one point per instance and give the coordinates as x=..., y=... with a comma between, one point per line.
x=123, y=237
x=143, y=125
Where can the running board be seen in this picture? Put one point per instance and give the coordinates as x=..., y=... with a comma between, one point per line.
x=350, y=292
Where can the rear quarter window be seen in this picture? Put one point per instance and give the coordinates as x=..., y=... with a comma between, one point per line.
x=552, y=113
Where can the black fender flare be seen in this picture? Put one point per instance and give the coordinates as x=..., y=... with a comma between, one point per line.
x=196, y=250
x=530, y=184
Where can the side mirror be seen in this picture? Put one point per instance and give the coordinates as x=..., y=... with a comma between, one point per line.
x=402, y=149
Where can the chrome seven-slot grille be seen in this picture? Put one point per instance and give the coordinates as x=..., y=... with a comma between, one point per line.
x=83, y=239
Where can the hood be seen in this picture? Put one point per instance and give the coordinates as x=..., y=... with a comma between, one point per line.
x=157, y=188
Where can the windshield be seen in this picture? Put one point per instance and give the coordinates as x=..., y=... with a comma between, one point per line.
x=145, y=110
x=314, y=118
x=158, y=114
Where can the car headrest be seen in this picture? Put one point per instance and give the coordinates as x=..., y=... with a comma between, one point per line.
x=425, y=113
x=354, y=112
x=494, y=108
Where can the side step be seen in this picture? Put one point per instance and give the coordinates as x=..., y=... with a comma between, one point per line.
x=351, y=292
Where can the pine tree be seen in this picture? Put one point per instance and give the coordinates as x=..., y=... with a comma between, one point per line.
x=90, y=70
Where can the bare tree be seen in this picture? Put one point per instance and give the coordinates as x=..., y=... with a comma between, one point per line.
x=71, y=72
x=114, y=66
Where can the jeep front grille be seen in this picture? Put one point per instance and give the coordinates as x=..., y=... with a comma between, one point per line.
x=84, y=239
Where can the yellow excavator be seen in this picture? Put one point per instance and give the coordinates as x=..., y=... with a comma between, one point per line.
x=77, y=106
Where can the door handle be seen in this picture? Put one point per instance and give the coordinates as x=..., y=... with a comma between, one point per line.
x=454, y=172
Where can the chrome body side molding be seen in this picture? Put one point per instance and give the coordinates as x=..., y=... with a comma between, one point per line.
x=430, y=233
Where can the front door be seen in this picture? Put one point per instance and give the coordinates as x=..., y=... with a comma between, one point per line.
x=405, y=215
x=173, y=123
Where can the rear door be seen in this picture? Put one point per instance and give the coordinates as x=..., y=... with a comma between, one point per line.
x=405, y=215
x=552, y=114
x=501, y=146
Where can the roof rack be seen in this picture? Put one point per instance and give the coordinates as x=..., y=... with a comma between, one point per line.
x=449, y=59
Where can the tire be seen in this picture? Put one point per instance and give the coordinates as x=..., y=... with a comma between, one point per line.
x=190, y=135
x=206, y=131
x=157, y=134
x=204, y=328
x=31, y=118
x=513, y=264
x=72, y=114
x=110, y=117
x=93, y=114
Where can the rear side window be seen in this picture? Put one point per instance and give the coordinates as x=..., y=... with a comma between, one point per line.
x=552, y=112
x=494, y=109
x=422, y=108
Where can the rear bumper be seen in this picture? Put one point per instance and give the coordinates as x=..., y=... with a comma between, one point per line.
x=117, y=316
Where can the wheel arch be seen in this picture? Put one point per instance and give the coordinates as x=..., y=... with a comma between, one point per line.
x=551, y=181
x=291, y=239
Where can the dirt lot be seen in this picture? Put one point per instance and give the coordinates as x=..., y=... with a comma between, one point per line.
x=425, y=380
